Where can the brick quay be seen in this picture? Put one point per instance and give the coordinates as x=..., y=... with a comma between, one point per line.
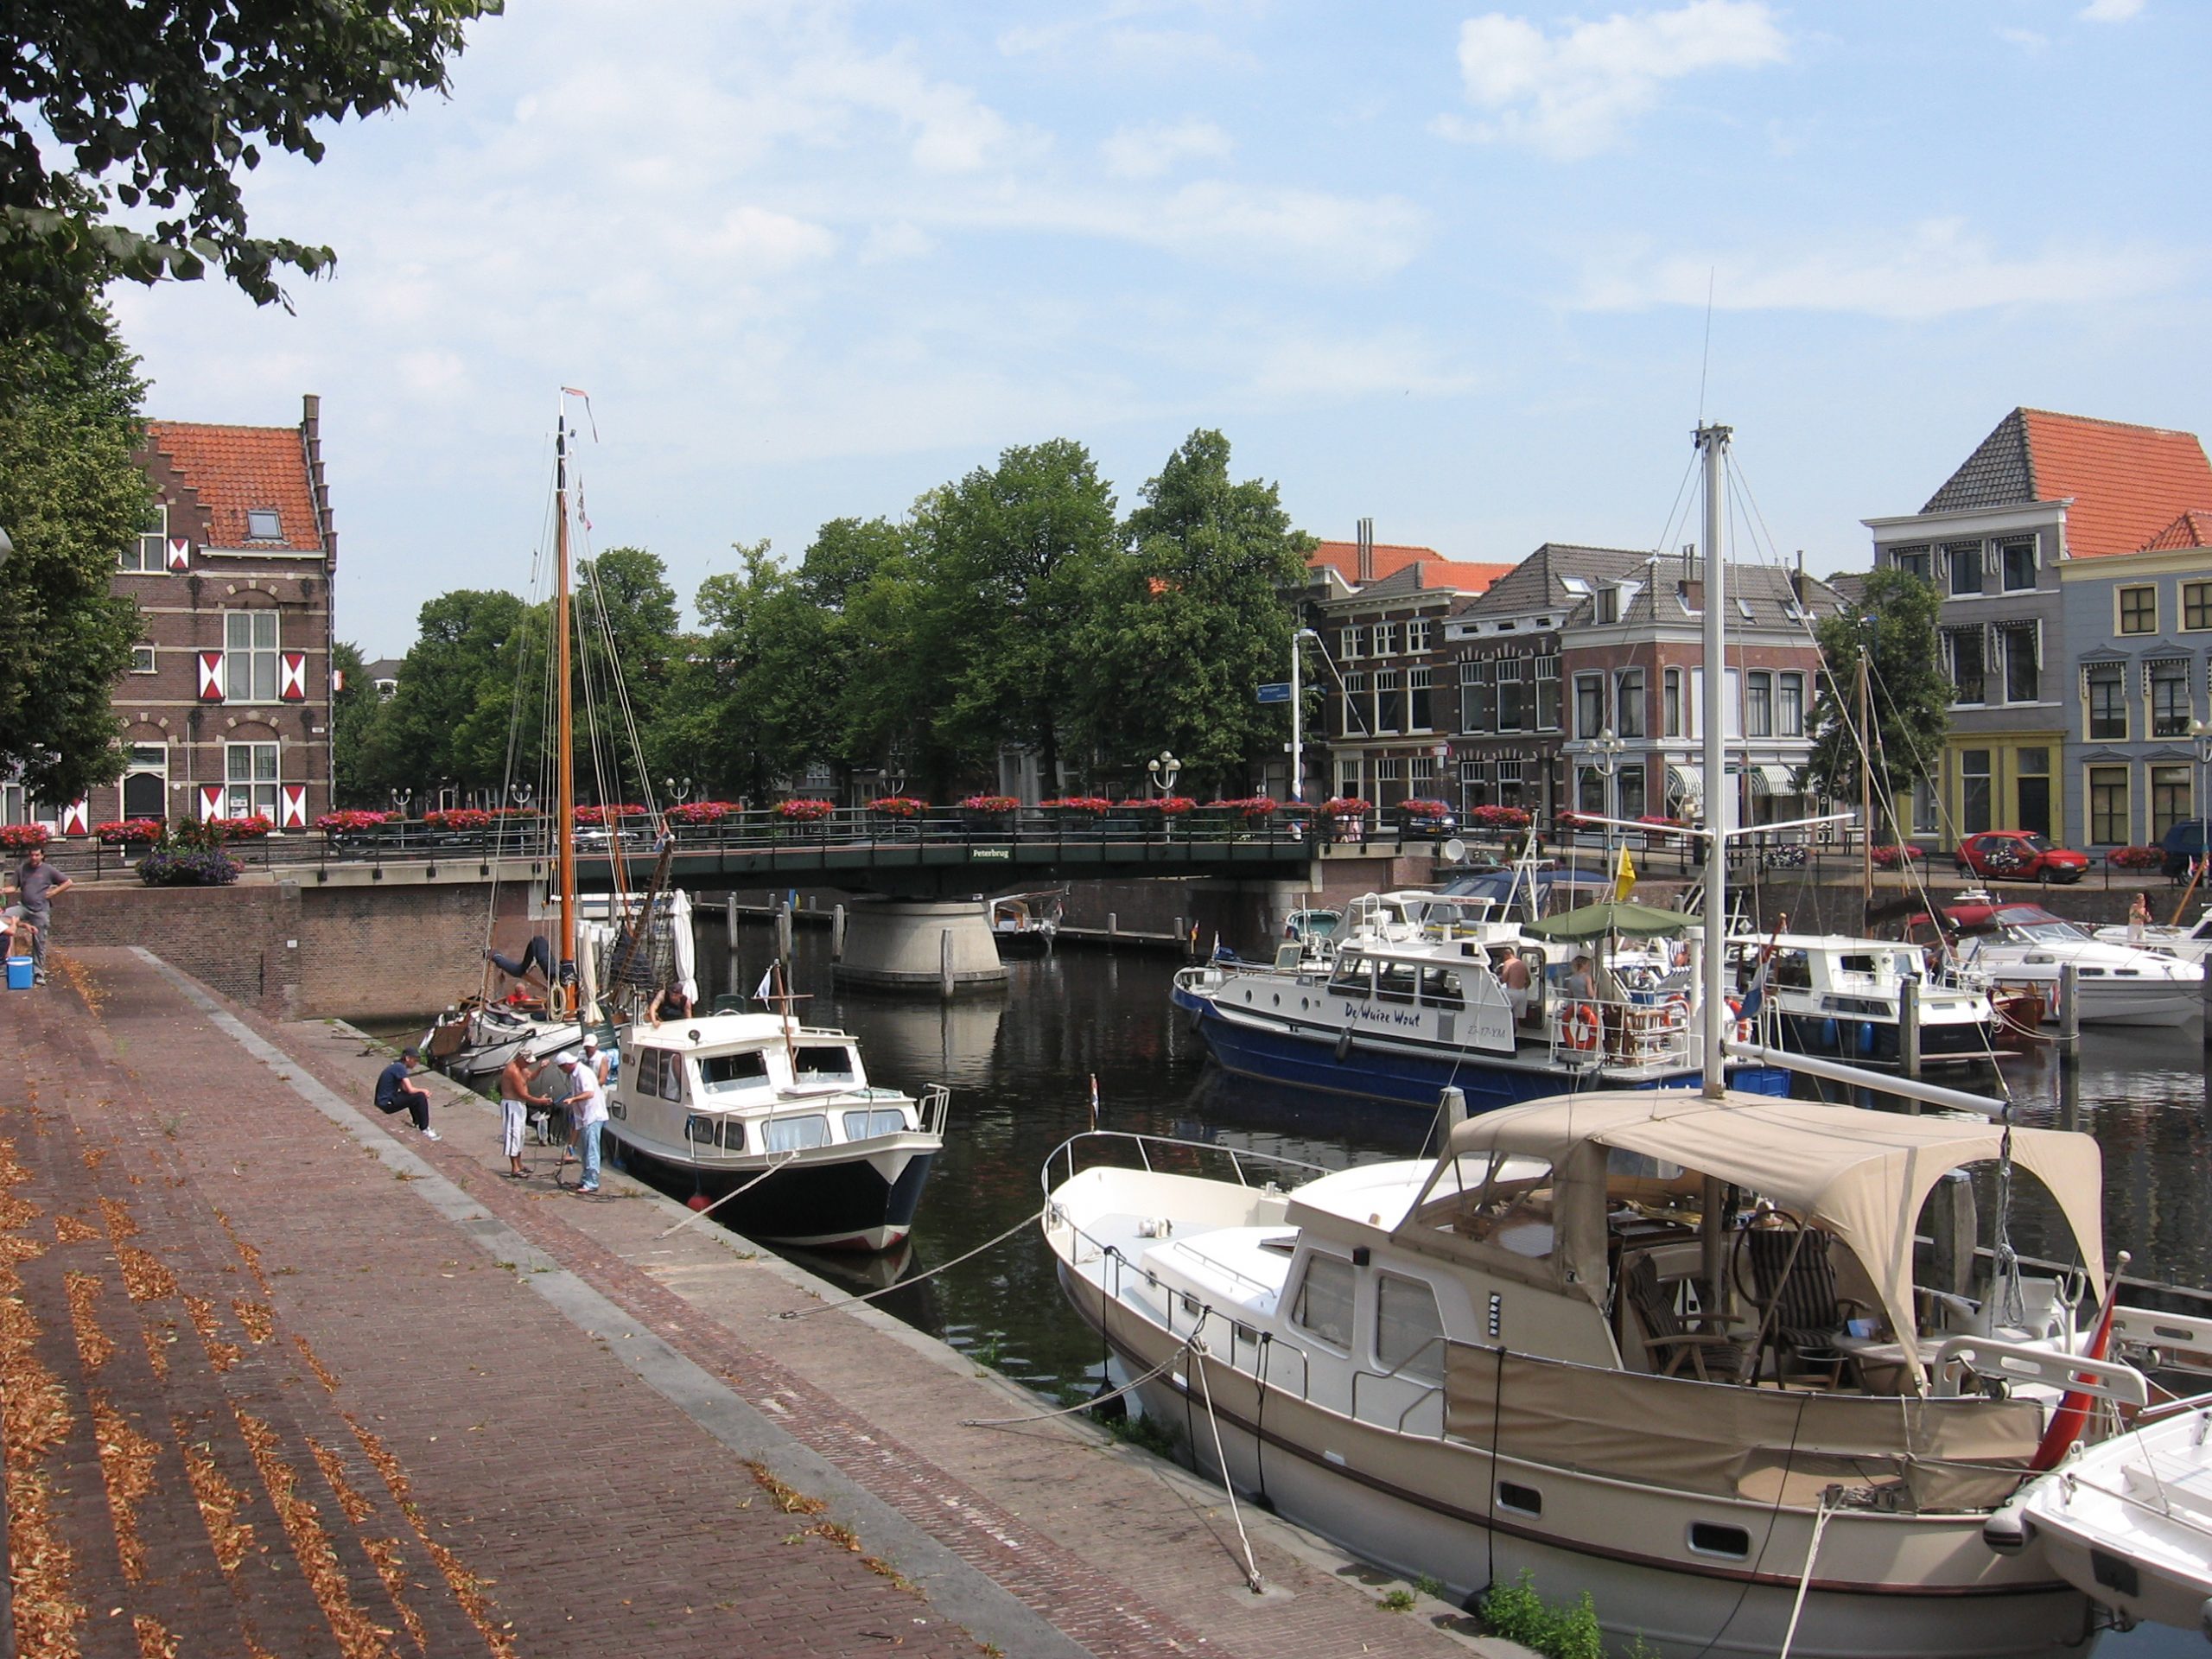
x=279, y=1376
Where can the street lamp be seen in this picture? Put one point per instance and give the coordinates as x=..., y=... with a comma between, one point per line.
x=1298, y=713
x=1163, y=768
x=1608, y=747
x=678, y=789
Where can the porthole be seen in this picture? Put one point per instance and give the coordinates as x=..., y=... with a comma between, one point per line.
x=1521, y=1500
x=1709, y=1538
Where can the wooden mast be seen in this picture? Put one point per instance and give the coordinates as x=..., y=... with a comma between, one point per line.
x=1866, y=790
x=565, y=820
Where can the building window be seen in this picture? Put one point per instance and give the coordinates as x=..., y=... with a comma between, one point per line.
x=2170, y=698
x=1789, y=705
x=1609, y=604
x=1630, y=786
x=1590, y=791
x=1670, y=694
x=1975, y=795
x=1589, y=704
x=2018, y=559
x=2138, y=610
x=1474, y=783
x=1417, y=689
x=1512, y=697
x=1355, y=687
x=1420, y=777
x=2196, y=606
x=1417, y=635
x=2023, y=661
x=2108, y=806
x=1478, y=709
x=262, y=524
x=2170, y=802
x=1348, y=644
x=1963, y=560
x=148, y=553
x=2105, y=687
x=1966, y=675
x=1758, y=703
x=1386, y=639
x=250, y=656
x=146, y=781
x=250, y=778
x=1389, y=779
x=1913, y=561
x=1390, y=705
x=1628, y=702
x=1547, y=694
x=142, y=660
x=1348, y=779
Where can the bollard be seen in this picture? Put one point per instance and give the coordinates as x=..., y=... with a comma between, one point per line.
x=1908, y=1027
x=2206, y=987
x=729, y=918
x=944, y=964
x=784, y=931
x=2069, y=1014
x=1179, y=941
x=1113, y=924
x=837, y=933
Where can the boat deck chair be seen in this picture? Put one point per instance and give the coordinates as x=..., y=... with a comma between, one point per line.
x=1801, y=1315
x=1675, y=1344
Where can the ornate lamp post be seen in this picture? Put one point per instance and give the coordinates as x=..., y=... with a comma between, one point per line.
x=1163, y=768
x=1608, y=747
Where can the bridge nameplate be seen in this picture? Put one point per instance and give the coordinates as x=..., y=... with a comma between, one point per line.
x=1001, y=854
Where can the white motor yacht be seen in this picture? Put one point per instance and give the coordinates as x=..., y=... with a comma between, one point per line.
x=2184, y=943
x=1845, y=998
x=2011, y=944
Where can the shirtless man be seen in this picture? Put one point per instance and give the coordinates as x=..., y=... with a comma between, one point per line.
x=516, y=1099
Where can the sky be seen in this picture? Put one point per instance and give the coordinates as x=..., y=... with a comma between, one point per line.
x=1473, y=274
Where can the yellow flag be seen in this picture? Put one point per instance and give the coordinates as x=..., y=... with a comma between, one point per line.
x=1624, y=876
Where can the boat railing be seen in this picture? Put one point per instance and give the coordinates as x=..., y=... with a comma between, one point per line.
x=1146, y=1144
x=1593, y=1031
x=2022, y=1362
x=1429, y=1389
x=931, y=1108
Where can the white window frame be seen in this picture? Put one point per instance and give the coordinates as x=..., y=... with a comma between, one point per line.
x=145, y=659
x=253, y=792
x=251, y=665
x=151, y=548
x=1417, y=634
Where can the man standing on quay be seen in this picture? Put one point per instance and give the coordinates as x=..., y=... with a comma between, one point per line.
x=587, y=1103
x=37, y=881
x=515, y=1099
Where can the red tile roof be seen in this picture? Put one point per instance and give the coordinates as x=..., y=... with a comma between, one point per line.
x=1437, y=571
x=232, y=468
x=2192, y=529
x=2127, y=482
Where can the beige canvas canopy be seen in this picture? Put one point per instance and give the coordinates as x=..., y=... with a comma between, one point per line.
x=1861, y=1175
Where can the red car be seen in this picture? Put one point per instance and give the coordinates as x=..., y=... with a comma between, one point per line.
x=2018, y=855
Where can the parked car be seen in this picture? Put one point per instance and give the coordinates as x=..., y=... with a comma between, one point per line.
x=2181, y=844
x=2018, y=855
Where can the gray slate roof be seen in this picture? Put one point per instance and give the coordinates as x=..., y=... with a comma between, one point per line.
x=1765, y=588
x=1534, y=584
x=2000, y=473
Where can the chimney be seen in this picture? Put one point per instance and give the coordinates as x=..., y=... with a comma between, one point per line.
x=1691, y=586
x=1797, y=580
x=1366, y=550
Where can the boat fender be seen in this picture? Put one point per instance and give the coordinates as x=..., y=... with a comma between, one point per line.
x=2007, y=1532
x=1581, y=1028
x=1344, y=1044
x=697, y=1201
x=1744, y=1032
x=1197, y=1018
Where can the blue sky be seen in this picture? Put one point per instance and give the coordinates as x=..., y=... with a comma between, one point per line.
x=1441, y=265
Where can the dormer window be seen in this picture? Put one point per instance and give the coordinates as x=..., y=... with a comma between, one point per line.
x=1744, y=607
x=1608, y=605
x=262, y=525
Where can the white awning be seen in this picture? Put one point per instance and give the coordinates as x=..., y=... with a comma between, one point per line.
x=1771, y=780
x=1682, y=781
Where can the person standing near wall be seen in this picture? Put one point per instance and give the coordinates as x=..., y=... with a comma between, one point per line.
x=36, y=882
x=587, y=1104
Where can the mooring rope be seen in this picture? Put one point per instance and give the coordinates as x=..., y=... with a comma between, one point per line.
x=708, y=1210
x=1805, y=1578
x=1129, y=1387
x=1221, y=1461
x=869, y=1296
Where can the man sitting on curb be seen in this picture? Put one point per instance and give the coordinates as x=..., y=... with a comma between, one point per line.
x=395, y=1087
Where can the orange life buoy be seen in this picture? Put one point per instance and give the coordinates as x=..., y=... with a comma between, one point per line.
x=1675, y=1013
x=1744, y=1032
x=1581, y=1028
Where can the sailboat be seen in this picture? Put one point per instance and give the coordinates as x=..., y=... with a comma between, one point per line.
x=1677, y=1346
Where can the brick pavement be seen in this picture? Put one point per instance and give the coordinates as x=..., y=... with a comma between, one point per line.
x=429, y=1457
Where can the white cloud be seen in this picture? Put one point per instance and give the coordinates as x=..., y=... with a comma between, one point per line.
x=2026, y=39
x=1146, y=152
x=1310, y=369
x=1935, y=269
x=2111, y=11
x=900, y=240
x=755, y=240
x=1571, y=94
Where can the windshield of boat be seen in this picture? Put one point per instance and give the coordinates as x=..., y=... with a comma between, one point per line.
x=723, y=1074
x=2034, y=923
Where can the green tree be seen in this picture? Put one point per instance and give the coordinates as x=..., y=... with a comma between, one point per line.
x=1180, y=632
x=71, y=499
x=109, y=104
x=354, y=711
x=450, y=718
x=1893, y=627
x=627, y=626
x=1010, y=557
x=722, y=725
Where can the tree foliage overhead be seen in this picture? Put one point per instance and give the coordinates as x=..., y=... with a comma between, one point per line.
x=1893, y=627
x=71, y=499
x=159, y=106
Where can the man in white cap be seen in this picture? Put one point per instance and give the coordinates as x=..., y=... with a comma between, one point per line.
x=515, y=1099
x=602, y=1065
x=587, y=1107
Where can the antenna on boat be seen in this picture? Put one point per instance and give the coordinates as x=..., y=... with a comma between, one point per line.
x=565, y=762
x=1719, y=801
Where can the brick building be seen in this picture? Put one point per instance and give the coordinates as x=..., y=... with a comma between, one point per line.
x=227, y=704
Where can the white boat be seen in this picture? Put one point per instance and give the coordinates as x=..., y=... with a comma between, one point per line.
x=2183, y=943
x=2119, y=985
x=1845, y=997
x=2127, y=1523
x=779, y=1122
x=1025, y=923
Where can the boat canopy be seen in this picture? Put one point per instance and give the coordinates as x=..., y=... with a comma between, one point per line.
x=1612, y=916
x=1860, y=1175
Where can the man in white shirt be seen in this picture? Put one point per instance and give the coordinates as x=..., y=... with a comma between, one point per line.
x=587, y=1107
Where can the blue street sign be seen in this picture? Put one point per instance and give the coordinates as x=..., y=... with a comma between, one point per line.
x=1276, y=691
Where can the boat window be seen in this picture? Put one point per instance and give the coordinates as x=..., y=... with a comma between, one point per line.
x=671, y=1076
x=1523, y=1500
x=1324, y=1302
x=1854, y=964
x=1512, y=1208
x=1350, y=977
x=1440, y=989
x=732, y=1135
x=1709, y=1539
x=700, y=1128
x=883, y=1120
x=1394, y=982
x=795, y=1134
x=1408, y=1331
x=648, y=1082
x=823, y=1063
x=723, y=1073
x=1793, y=971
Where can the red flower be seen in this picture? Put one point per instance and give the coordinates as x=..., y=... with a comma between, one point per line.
x=126, y=831
x=350, y=817
x=804, y=811
x=21, y=837
x=250, y=828
x=992, y=805
x=897, y=806
x=1345, y=806
x=1091, y=803
x=700, y=812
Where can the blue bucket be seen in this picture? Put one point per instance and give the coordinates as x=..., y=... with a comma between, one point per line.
x=19, y=973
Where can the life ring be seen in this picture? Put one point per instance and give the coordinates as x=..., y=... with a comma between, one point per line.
x=1675, y=1013
x=1744, y=1032
x=1579, y=1028
x=1344, y=1044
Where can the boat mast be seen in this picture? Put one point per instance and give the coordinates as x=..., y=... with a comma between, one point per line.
x=1866, y=783
x=565, y=821
x=1719, y=800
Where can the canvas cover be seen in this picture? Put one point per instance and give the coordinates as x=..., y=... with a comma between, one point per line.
x=1861, y=1175
x=1764, y=1444
x=1611, y=916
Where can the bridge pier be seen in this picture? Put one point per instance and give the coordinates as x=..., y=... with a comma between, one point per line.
x=937, y=945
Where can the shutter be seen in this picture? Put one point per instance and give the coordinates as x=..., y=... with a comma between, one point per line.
x=76, y=818
x=292, y=806
x=179, y=553
x=211, y=677
x=292, y=684
x=211, y=802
